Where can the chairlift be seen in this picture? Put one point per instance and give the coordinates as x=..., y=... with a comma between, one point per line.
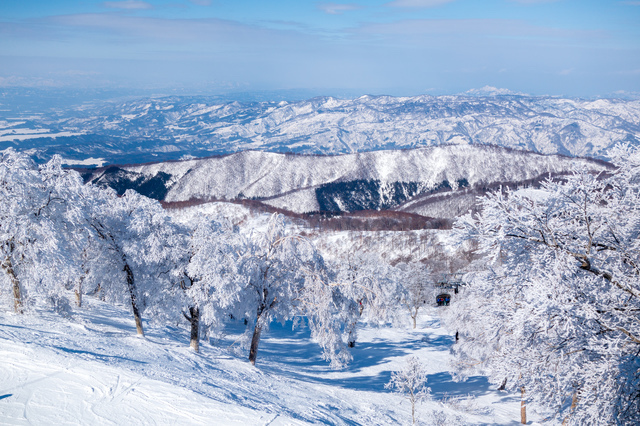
x=443, y=299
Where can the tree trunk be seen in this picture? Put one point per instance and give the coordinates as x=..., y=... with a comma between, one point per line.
x=353, y=335
x=195, y=328
x=574, y=402
x=413, y=317
x=413, y=410
x=503, y=386
x=255, y=340
x=523, y=408
x=351, y=340
x=15, y=283
x=79, y=292
x=134, y=302
x=85, y=272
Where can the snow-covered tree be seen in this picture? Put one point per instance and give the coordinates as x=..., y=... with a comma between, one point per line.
x=330, y=313
x=418, y=288
x=134, y=239
x=281, y=277
x=211, y=263
x=557, y=309
x=411, y=382
x=38, y=214
x=374, y=286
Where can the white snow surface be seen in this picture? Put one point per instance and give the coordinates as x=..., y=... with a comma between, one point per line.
x=35, y=134
x=86, y=162
x=91, y=368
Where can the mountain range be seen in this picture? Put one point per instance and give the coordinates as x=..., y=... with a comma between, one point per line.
x=173, y=127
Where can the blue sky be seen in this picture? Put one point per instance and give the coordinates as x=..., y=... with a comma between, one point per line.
x=399, y=47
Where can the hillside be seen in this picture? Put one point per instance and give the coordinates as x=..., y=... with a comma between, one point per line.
x=364, y=181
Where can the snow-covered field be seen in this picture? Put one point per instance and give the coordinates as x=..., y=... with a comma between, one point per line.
x=90, y=368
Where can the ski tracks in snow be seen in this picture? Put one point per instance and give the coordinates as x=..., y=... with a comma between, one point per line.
x=94, y=370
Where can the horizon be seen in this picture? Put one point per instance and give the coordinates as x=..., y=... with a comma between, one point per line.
x=22, y=99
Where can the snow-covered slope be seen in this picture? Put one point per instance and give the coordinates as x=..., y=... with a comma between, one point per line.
x=91, y=369
x=173, y=127
x=293, y=182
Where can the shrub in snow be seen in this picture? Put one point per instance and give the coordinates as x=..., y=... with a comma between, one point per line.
x=411, y=382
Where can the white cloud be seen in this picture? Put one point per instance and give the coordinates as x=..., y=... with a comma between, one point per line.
x=632, y=3
x=418, y=4
x=336, y=8
x=201, y=2
x=128, y=5
x=140, y=29
x=566, y=71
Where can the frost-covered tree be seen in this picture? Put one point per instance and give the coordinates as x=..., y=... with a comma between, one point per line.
x=374, y=286
x=282, y=276
x=411, y=382
x=38, y=214
x=418, y=288
x=557, y=309
x=135, y=241
x=330, y=312
x=211, y=262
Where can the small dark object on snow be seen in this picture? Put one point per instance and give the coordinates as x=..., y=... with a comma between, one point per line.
x=503, y=386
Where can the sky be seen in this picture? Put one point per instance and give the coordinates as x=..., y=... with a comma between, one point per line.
x=581, y=48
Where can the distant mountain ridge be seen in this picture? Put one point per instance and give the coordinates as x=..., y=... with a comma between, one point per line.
x=159, y=129
x=375, y=180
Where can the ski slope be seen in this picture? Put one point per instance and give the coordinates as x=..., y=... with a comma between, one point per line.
x=91, y=368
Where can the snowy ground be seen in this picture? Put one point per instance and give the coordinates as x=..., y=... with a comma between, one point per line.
x=92, y=369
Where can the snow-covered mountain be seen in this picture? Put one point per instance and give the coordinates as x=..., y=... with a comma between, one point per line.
x=157, y=129
x=361, y=181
